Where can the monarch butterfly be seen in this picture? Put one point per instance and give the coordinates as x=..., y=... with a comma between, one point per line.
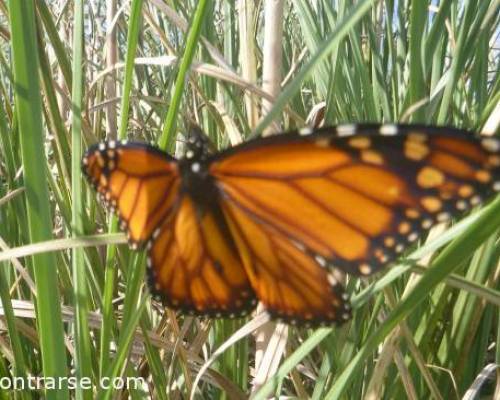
x=268, y=219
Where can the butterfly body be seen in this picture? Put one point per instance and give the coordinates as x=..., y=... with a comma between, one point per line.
x=268, y=219
x=198, y=184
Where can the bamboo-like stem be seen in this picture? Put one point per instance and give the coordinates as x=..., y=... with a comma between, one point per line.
x=273, y=42
x=247, y=56
x=271, y=338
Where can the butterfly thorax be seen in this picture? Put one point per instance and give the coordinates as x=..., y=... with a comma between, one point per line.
x=196, y=180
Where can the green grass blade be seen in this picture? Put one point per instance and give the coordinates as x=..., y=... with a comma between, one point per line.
x=167, y=135
x=83, y=351
x=417, y=85
x=132, y=39
x=457, y=62
x=55, y=40
x=28, y=105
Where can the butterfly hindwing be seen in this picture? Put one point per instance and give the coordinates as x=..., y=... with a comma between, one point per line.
x=291, y=284
x=194, y=266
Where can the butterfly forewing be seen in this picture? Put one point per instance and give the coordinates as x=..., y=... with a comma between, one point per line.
x=358, y=201
x=139, y=181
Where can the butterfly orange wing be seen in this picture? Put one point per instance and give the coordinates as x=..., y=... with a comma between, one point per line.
x=351, y=202
x=193, y=264
x=138, y=181
x=287, y=280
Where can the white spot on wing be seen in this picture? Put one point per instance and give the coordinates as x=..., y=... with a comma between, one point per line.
x=491, y=144
x=331, y=280
x=388, y=130
x=365, y=269
x=321, y=261
x=475, y=200
x=346, y=129
x=427, y=223
x=306, y=131
x=102, y=146
x=112, y=144
x=461, y=205
x=444, y=216
x=413, y=236
x=196, y=167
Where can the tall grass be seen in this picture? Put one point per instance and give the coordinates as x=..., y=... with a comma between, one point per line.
x=73, y=299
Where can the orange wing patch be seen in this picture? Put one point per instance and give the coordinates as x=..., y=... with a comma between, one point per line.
x=308, y=158
x=138, y=181
x=193, y=265
x=290, y=283
x=280, y=202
